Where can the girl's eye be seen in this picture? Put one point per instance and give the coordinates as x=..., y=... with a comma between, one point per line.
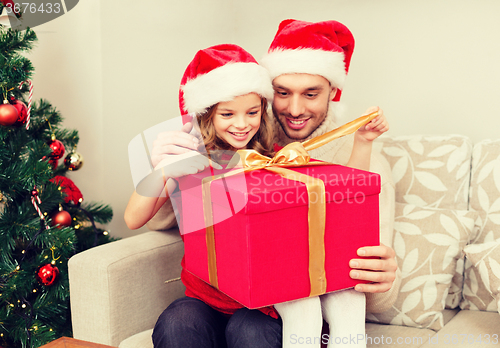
x=226, y=115
x=253, y=113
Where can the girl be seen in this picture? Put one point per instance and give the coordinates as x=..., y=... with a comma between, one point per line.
x=227, y=91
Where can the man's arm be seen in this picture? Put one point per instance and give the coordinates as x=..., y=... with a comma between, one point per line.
x=383, y=269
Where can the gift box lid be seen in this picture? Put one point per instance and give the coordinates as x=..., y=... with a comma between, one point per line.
x=262, y=190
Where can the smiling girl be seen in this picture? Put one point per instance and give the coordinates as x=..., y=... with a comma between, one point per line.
x=227, y=91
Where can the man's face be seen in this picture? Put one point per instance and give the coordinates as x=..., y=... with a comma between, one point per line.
x=301, y=103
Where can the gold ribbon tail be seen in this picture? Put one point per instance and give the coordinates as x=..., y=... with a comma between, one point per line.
x=346, y=129
x=210, y=234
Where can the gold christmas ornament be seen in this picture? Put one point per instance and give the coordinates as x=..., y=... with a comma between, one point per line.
x=73, y=161
x=2, y=203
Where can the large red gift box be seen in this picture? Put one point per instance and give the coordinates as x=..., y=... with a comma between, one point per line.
x=261, y=234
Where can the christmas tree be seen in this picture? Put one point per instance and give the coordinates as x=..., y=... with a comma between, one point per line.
x=43, y=219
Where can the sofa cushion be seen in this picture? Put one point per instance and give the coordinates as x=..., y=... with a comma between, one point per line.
x=468, y=329
x=482, y=286
x=383, y=336
x=140, y=340
x=429, y=170
x=428, y=243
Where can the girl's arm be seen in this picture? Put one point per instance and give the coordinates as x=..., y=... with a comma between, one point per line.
x=363, y=139
x=140, y=209
x=144, y=205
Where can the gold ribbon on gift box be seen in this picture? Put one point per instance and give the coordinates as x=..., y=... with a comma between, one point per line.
x=292, y=155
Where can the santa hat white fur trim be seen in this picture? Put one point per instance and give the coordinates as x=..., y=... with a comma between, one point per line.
x=224, y=84
x=328, y=64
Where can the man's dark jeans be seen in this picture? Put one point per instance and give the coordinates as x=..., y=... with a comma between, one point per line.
x=190, y=323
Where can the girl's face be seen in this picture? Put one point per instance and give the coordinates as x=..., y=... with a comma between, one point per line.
x=238, y=120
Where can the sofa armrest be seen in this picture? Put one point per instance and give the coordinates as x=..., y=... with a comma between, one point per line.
x=118, y=289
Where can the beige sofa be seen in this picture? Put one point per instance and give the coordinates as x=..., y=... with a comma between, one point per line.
x=446, y=237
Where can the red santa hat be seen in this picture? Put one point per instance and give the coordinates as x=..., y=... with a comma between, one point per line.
x=221, y=73
x=323, y=48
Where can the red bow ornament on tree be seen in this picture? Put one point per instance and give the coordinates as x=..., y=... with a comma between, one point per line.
x=69, y=188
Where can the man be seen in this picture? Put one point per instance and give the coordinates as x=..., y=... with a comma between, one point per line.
x=308, y=63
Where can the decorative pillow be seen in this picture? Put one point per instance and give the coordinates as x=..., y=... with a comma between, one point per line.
x=428, y=243
x=482, y=282
x=485, y=189
x=429, y=170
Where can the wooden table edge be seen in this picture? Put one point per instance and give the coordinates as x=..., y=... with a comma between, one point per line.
x=68, y=342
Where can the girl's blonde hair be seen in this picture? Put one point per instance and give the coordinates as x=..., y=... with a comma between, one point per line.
x=262, y=141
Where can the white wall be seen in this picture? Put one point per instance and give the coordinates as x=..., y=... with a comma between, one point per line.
x=113, y=68
x=67, y=61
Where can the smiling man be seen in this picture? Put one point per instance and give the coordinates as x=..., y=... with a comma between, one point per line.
x=301, y=103
x=308, y=63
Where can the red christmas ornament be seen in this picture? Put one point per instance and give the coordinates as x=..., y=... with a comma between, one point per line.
x=72, y=192
x=54, y=164
x=47, y=274
x=57, y=149
x=61, y=218
x=22, y=111
x=8, y=114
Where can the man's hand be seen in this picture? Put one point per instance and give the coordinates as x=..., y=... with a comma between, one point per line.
x=173, y=143
x=381, y=270
x=375, y=127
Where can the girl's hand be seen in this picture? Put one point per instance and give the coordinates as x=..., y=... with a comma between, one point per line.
x=192, y=162
x=375, y=127
x=173, y=143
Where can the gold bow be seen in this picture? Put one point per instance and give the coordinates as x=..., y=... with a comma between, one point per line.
x=292, y=155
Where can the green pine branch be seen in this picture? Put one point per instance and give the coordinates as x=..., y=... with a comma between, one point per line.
x=33, y=313
x=15, y=68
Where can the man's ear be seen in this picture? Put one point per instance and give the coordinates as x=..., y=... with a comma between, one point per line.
x=333, y=92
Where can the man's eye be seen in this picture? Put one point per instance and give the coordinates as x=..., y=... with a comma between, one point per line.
x=311, y=95
x=283, y=94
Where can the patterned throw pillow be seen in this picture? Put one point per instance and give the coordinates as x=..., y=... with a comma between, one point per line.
x=485, y=189
x=482, y=283
x=428, y=243
x=431, y=171
x=484, y=198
